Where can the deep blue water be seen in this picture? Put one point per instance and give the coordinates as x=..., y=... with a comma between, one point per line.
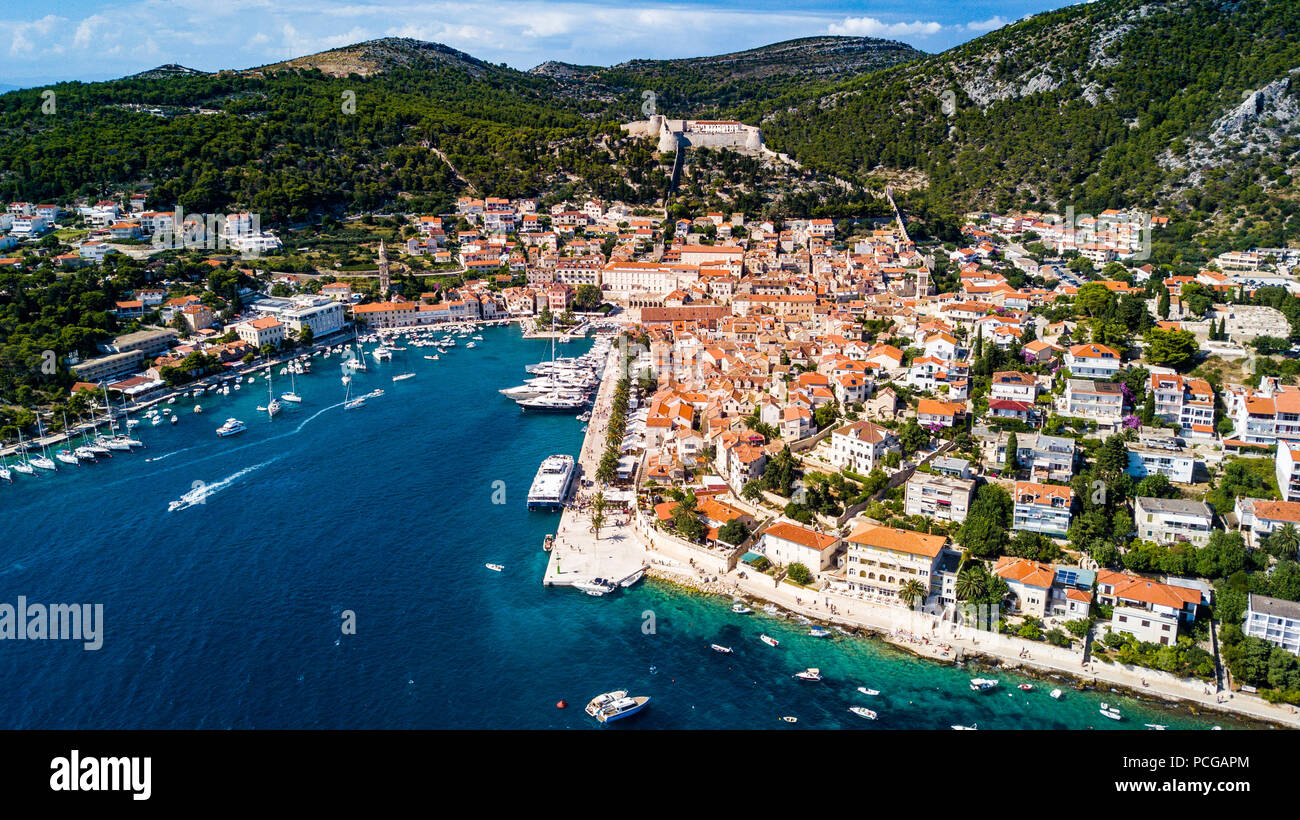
x=228, y=614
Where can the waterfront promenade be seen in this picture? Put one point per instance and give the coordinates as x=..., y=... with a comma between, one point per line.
x=577, y=554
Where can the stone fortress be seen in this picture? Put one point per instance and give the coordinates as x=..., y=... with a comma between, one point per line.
x=698, y=134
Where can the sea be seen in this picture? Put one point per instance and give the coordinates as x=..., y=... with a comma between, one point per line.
x=333, y=576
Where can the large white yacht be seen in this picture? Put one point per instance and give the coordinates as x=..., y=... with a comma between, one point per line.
x=551, y=484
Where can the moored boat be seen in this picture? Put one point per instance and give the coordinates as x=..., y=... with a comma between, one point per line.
x=982, y=684
x=768, y=640
x=726, y=650
x=812, y=674
x=863, y=712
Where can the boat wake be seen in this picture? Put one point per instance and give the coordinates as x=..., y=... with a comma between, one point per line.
x=167, y=455
x=201, y=493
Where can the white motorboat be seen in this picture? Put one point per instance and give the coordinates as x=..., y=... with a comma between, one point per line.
x=231, y=427
x=382, y=354
x=864, y=690
x=725, y=650
x=617, y=709
x=982, y=684
x=1156, y=727
x=403, y=376
x=863, y=712
x=494, y=567
x=969, y=728
x=1055, y=694
x=812, y=674
x=740, y=609
x=769, y=640
x=1108, y=711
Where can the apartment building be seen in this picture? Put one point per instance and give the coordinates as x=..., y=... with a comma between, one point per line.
x=1009, y=385
x=1043, y=508
x=879, y=560
x=1187, y=402
x=1173, y=520
x=941, y=497
x=1147, y=609
x=786, y=542
x=1102, y=402
x=1047, y=458
x=1093, y=361
x=860, y=446
x=1158, y=453
x=1288, y=476
x=1274, y=620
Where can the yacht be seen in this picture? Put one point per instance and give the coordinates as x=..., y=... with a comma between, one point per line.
x=551, y=484
x=812, y=674
x=596, y=587
x=382, y=354
x=67, y=457
x=606, y=709
x=292, y=395
x=555, y=403
x=231, y=427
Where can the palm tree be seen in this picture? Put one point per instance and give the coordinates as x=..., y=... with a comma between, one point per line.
x=912, y=591
x=598, y=512
x=1286, y=539
x=972, y=583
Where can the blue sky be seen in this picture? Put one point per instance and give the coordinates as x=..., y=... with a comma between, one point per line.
x=99, y=39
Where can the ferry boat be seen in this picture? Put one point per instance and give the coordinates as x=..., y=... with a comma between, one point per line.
x=230, y=428
x=812, y=674
x=551, y=484
x=607, y=710
x=863, y=712
x=726, y=650
x=864, y=690
x=769, y=641
x=982, y=684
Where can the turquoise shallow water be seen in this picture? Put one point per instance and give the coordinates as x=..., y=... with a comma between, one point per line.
x=228, y=613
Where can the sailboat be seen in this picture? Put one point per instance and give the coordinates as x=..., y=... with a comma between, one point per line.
x=273, y=406
x=23, y=466
x=5, y=475
x=292, y=395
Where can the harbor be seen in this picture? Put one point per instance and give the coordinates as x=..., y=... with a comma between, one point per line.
x=578, y=554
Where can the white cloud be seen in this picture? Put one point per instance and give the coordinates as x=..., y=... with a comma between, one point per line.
x=21, y=41
x=871, y=27
x=994, y=22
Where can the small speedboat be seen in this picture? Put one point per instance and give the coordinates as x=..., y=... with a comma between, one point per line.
x=726, y=650
x=863, y=712
x=769, y=641
x=970, y=728
x=1155, y=727
x=790, y=719
x=1055, y=694
x=1025, y=687
x=494, y=567
x=1108, y=711
x=864, y=690
x=819, y=632
x=403, y=376
x=812, y=674
x=982, y=684
x=740, y=609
